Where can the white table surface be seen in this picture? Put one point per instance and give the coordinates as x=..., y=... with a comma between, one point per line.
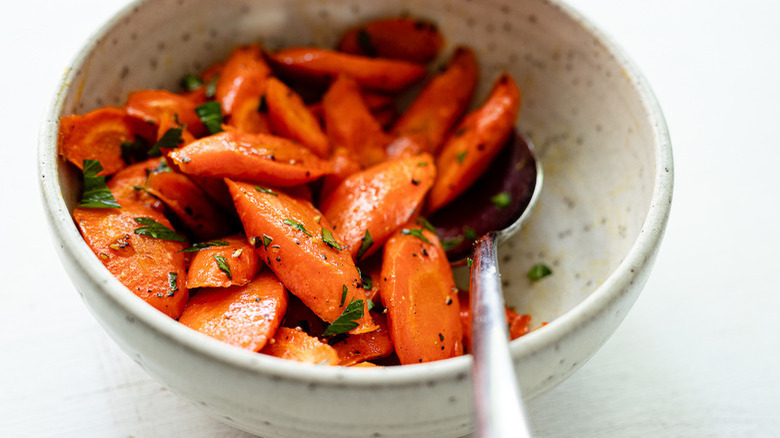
x=698, y=356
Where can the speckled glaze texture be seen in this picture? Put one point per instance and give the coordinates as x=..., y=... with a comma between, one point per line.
x=598, y=224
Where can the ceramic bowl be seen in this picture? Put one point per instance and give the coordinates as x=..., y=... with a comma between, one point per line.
x=600, y=136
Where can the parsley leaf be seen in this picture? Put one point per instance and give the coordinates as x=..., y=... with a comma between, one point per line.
x=469, y=233
x=343, y=295
x=211, y=87
x=347, y=320
x=451, y=243
x=223, y=265
x=170, y=140
x=266, y=190
x=152, y=228
x=134, y=151
x=190, y=82
x=297, y=225
x=501, y=200
x=416, y=232
x=365, y=244
x=461, y=156
x=328, y=238
x=173, y=286
x=210, y=113
x=539, y=271
x=203, y=245
x=96, y=193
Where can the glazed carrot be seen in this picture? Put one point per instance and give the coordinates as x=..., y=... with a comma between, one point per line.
x=128, y=183
x=350, y=124
x=296, y=345
x=421, y=298
x=291, y=118
x=441, y=103
x=224, y=262
x=245, y=316
x=474, y=143
x=96, y=135
x=365, y=365
x=249, y=115
x=152, y=268
x=403, y=38
x=297, y=243
x=378, y=201
x=260, y=158
x=152, y=105
x=244, y=72
x=193, y=208
x=367, y=346
x=181, y=135
x=324, y=65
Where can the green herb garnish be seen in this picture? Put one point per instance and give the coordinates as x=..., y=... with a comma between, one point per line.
x=469, y=262
x=501, y=200
x=211, y=87
x=134, y=151
x=451, y=243
x=173, y=283
x=190, y=82
x=343, y=295
x=365, y=43
x=416, y=232
x=223, y=265
x=365, y=244
x=162, y=167
x=469, y=233
x=203, y=245
x=170, y=140
x=152, y=228
x=328, y=238
x=347, y=320
x=266, y=241
x=426, y=224
x=538, y=271
x=266, y=190
x=96, y=193
x=365, y=280
x=461, y=156
x=210, y=113
x=297, y=225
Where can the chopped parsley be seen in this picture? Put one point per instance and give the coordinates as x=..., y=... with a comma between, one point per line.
x=297, y=225
x=347, y=320
x=343, y=295
x=190, y=82
x=461, y=156
x=469, y=233
x=328, y=238
x=211, y=87
x=266, y=190
x=223, y=265
x=134, y=151
x=451, y=243
x=96, y=193
x=469, y=262
x=365, y=244
x=203, y=245
x=210, y=113
x=365, y=280
x=152, y=228
x=426, y=224
x=539, y=271
x=501, y=200
x=416, y=232
x=170, y=140
x=173, y=286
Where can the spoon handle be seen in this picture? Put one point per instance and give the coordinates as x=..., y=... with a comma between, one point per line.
x=499, y=411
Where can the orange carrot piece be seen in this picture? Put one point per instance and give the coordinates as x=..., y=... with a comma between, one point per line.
x=96, y=135
x=152, y=269
x=519, y=325
x=477, y=139
x=324, y=65
x=365, y=365
x=152, y=105
x=195, y=211
x=366, y=346
x=419, y=293
x=297, y=243
x=403, y=38
x=378, y=200
x=167, y=122
x=245, y=316
x=260, y=158
x=296, y=345
x=441, y=103
x=350, y=124
x=128, y=183
x=291, y=118
x=248, y=116
x=240, y=264
x=244, y=72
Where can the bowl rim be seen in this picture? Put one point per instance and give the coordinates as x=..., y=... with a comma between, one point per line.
x=66, y=235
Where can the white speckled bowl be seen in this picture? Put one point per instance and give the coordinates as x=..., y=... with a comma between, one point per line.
x=608, y=187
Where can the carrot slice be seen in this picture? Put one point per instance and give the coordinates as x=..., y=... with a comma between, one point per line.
x=96, y=135
x=296, y=345
x=195, y=211
x=260, y=158
x=421, y=298
x=477, y=139
x=350, y=124
x=152, y=105
x=128, y=183
x=244, y=72
x=231, y=261
x=367, y=346
x=441, y=103
x=245, y=316
x=249, y=116
x=378, y=200
x=322, y=65
x=297, y=243
x=403, y=38
x=151, y=268
x=292, y=119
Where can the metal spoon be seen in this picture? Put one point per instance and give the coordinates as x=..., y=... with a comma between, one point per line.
x=498, y=406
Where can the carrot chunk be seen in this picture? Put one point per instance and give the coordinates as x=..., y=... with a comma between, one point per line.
x=291, y=118
x=152, y=268
x=245, y=316
x=230, y=261
x=366, y=346
x=403, y=38
x=297, y=243
x=419, y=293
x=475, y=142
x=153, y=105
x=128, y=183
x=96, y=135
x=244, y=72
x=296, y=345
